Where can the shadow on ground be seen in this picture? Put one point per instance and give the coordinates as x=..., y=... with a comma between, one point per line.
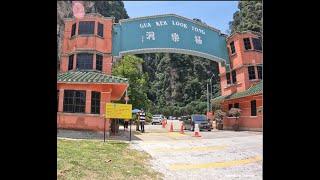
x=82, y=134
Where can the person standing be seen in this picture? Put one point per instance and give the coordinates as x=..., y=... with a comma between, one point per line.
x=137, y=122
x=126, y=123
x=142, y=117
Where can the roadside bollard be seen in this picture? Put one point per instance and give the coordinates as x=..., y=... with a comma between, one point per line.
x=182, y=128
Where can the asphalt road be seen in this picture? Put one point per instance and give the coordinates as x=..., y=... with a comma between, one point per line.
x=214, y=155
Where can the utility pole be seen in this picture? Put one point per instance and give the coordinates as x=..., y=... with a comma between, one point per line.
x=207, y=97
x=211, y=93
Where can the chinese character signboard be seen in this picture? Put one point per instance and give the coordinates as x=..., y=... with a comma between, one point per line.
x=168, y=33
x=118, y=111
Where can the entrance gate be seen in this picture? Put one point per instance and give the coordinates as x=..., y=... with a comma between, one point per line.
x=168, y=33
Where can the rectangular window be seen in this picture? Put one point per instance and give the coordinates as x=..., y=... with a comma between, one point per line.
x=228, y=78
x=253, y=108
x=100, y=29
x=234, y=76
x=99, y=62
x=233, y=49
x=74, y=101
x=259, y=68
x=73, y=30
x=257, y=44
x=247, y=44
x=230, y=106
x=236, y=105
x=95, y=102
x=86, y=27
x=70, y=63
x=84, y=61
x=251, y=72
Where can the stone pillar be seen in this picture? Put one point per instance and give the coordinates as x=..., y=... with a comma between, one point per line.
x=105, y=98
x=107, y=64
x=94, y=62
x=74, y=61
x=88, y=102
x=61, y=96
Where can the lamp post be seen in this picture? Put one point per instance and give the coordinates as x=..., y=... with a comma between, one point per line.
x=208, y=108
x=211, y=94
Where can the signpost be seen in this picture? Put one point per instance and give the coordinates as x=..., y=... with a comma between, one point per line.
x=104, y=130
x=119, y=111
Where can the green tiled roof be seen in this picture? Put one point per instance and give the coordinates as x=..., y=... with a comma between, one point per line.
x=88, y=77
x=255, y=89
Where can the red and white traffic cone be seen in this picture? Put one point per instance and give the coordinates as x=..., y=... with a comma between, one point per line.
x=171, y=127
x=196, y=131
x=182, y=128
x=163, y=124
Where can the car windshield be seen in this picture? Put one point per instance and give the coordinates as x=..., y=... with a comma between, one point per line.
x=199, y=118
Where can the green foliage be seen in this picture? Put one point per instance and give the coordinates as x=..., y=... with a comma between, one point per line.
x=111, y=9
x=234, y=112
x=178, y=83
x=218, y=115
x=249, y=17
x=128, y=67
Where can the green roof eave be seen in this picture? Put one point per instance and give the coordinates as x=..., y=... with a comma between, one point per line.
x=254, y=90
x=87, y=77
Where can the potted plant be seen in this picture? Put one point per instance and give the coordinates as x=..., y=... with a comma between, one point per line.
x=218, y=116
x=235, y=112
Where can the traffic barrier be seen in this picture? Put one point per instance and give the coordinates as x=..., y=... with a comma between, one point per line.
x=171, y=127
x=163, y=123
x=182, y=128
x=196, y=131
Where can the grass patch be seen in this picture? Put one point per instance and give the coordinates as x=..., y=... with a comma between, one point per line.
x=91, y=159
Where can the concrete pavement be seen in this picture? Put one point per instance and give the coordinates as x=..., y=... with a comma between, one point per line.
x=215, y=155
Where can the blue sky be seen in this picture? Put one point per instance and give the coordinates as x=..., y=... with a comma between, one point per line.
x=215, y=13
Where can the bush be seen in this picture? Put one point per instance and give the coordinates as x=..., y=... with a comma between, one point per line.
x=218, y=115
x=235, y=112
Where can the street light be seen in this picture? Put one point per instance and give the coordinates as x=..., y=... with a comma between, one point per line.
x=211, y=94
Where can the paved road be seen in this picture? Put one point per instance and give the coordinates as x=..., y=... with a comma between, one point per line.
x=215, y=155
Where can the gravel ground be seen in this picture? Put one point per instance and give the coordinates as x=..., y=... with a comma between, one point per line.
x=215, y=155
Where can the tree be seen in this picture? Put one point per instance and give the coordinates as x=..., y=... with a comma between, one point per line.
x=235, y=112
x=178, y=80
x=249, y=17
x=128, y=67
x=110, y=9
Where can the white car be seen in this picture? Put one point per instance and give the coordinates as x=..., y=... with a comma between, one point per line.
x=157, y=119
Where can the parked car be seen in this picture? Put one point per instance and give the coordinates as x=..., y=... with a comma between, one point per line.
x=172, y=118
x=200, y=119
x=157, y=119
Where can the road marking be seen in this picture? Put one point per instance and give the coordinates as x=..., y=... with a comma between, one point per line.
x=175, y=134
x=190, y=149
x=180, y=166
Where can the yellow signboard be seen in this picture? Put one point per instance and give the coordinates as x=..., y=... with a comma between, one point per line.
x=118, y=111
